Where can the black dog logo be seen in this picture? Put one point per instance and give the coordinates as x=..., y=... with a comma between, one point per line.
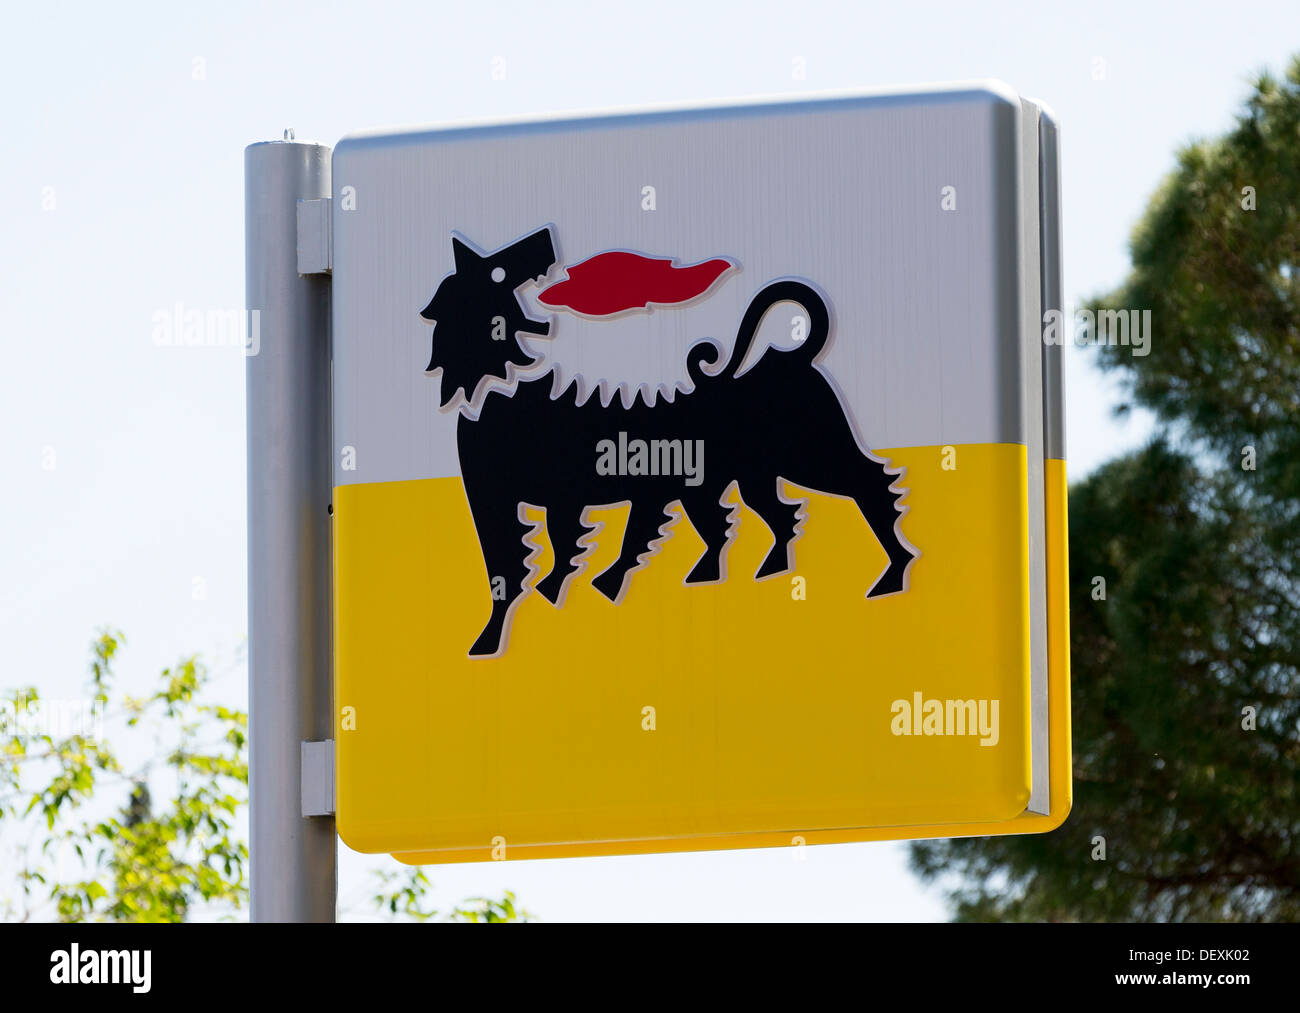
x=525, y=447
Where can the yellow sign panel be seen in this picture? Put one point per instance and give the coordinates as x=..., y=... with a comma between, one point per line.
x=744, y=713
x=625, y=560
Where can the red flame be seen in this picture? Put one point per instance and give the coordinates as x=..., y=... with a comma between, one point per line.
x=612, y=282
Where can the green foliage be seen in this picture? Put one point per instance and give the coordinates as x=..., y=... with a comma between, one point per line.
x=89, y=841
x=144, y=862
x=1199, y=811
x=1223, y=287
x=482, y=909
x=405, y=893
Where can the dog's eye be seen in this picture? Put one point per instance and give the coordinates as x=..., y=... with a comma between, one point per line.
x=498, y=274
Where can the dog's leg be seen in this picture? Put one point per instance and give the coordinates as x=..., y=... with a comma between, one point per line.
x=563, y=528
x=505, y=555
x=643, y=525
x=711, y=521
x=870, y=489
x=781, y=517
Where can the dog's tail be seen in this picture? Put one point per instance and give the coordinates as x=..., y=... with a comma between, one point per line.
x=787, y=290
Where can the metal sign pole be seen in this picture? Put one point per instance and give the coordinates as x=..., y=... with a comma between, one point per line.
x=288, y=413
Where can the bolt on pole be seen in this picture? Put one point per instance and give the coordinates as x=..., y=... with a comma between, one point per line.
x=294, y=858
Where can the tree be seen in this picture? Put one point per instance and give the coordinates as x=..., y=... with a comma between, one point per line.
x=141, y=862
x=81, y=857
x=1186, y=677
x=405, y=893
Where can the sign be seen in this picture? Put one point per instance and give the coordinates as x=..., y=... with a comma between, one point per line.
x=699, y=479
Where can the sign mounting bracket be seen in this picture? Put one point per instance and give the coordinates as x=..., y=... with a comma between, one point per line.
x=315, y=237
x=318, y=778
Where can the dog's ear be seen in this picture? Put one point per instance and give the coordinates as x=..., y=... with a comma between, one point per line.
x=462, y=254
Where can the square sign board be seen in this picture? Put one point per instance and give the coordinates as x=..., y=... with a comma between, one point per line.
x=699, y=479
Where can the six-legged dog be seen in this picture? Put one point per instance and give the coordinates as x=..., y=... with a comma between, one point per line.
x=527, y=447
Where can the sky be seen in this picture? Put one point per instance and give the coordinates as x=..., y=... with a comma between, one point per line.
x=123, y=461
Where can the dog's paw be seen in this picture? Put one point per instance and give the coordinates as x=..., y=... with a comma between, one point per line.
x=488, y=644
x=891, y=581
x=610, y=584
x=551, y=586
x=775, y=562
x=707, y=571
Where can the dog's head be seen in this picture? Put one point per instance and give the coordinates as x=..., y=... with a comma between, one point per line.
x=476, y=313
